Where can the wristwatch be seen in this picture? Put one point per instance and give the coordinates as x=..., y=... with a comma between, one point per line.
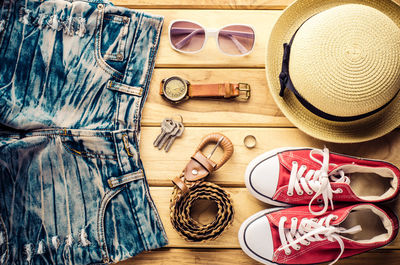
x=176, y=89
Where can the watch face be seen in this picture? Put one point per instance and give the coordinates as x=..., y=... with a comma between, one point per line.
x=175, y=88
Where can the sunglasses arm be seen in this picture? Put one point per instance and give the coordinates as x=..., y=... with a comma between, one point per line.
x=237, y=33
x=184, y=41
x=176, y=30
x=240, y=47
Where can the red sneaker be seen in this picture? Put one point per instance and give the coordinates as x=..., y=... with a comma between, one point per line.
x=309, y=176
x=295, y=236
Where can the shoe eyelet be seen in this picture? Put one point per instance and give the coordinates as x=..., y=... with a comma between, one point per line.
x=294, y=219
x=319, y=200
x=288, y=252
x=289, y=193
x=339, y=190
x=304, y=166
x=294, y=163
x=335, y=217
x=300, y=193
x=298, y=248
x=308, y=243
x=310, y=193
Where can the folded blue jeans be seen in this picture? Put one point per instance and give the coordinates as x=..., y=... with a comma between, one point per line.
x=74, y=76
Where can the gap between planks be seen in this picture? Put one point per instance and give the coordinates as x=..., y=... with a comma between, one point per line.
x=208, y=4
x=259, y=111
x=261, y=20
x=228, y=257
x=205, y=4
x=244, y=204
x=161, y=167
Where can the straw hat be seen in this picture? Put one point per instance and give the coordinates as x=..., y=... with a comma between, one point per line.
x=342, y=76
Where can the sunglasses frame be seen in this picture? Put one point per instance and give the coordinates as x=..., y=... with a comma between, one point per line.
x=210, y=33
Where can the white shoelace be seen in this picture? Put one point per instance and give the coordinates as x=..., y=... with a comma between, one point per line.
x=317, y=181
x=311, y=230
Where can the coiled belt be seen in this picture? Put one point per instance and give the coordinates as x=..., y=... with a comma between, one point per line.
x=190, y=187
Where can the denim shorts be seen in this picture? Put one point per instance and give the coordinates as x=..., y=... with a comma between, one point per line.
x=74, y=76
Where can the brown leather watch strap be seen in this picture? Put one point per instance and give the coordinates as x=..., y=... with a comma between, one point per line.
x=226, y=90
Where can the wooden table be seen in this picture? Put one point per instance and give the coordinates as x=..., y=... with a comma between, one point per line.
x=259, y=117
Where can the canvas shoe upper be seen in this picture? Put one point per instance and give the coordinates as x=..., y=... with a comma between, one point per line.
x=296, y=236
x=313, y=176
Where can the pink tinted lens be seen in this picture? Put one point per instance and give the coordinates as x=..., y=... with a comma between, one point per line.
x=187, y=36
x=236, y=39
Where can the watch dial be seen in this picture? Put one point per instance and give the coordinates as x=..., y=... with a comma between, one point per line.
x=175, y=89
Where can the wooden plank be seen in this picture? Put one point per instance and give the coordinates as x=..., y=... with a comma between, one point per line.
x=210, y=56
x=205, y=4
x=228, y=239
x=245, y=205
x=161, y=167
x=260, y=110
x=237, y=256
x=208, y=4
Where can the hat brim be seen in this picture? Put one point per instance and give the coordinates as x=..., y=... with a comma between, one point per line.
x=365, y=129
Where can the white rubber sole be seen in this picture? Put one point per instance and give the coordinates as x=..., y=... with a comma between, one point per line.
x=253, y=163
x=242, y=230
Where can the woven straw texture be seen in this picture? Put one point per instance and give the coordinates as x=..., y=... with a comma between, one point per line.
x=345, y=60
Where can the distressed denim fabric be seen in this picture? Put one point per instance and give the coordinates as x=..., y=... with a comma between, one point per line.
x=74, y=76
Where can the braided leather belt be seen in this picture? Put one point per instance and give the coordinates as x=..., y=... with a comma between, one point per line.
x=190, y=187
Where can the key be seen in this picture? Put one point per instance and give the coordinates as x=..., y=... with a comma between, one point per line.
x=171, y=140
x=166, y=127
x=168, y=135
x=161, y=133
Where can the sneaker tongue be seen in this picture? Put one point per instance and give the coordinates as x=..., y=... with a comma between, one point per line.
x=287, y=158
x=302, y=157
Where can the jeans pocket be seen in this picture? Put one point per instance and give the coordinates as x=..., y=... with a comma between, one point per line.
x=114, y=35
x=111, y=42
x=3, y=242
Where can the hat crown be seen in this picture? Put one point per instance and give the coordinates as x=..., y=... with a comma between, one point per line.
x=345, y=61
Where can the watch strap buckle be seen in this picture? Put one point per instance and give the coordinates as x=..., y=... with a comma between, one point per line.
x=244, y=91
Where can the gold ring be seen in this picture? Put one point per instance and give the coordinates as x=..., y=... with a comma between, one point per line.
x=250, y=141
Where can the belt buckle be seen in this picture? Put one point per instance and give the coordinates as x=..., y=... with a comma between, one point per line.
x=219, y=140
x=244, y=91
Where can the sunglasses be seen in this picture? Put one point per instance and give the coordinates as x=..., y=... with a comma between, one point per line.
x=189, y=37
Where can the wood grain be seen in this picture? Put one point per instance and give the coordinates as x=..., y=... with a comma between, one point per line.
x=205, y=4
x=228, y=239
x=259, y=117
x=210, y=56
x=161, y=167
x=236, y=256
x=245, y=205
x=259, y=111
